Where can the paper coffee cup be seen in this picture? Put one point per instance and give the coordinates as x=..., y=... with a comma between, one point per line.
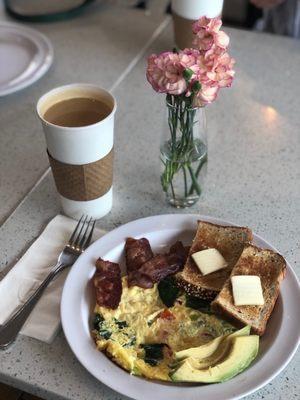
x=186, y=12
x=81, y=157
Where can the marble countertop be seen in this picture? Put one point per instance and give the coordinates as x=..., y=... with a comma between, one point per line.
x=253, y=175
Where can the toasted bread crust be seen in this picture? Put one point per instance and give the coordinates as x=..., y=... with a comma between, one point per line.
x=194, y=290
x=230, y=241
x=271, y=268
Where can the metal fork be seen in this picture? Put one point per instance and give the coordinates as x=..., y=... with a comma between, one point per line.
x=78, y=242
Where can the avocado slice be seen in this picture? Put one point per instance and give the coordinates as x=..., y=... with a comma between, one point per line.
x=221, y=351
x=203, y=351
x=212, y=352
x=243, y=351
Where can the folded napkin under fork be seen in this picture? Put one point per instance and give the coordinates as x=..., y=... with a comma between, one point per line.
x=28, y=273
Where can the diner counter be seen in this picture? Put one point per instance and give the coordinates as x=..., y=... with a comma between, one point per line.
x=253, y=172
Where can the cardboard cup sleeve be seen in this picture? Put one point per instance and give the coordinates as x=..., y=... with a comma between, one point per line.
x=83, y=182
x=183, y=31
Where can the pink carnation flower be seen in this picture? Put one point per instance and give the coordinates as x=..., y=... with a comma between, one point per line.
x=206, y=95
x=210, y=64
x=165, y=73
x=223, y=72
x=189, y=58
x=221, y=39
x=211, y=25
x=203, y=41
x=207, y=31
x=213, y=54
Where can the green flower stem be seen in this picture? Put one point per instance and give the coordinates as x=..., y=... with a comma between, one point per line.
x=185, y=181
x=194, y=180
x=201, y=163
x=172, y=188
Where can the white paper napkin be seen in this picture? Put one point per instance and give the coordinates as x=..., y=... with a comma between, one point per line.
x=15, y=288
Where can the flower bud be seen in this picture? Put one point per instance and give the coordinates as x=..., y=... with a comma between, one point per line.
x=187, y=74
x=196, y=86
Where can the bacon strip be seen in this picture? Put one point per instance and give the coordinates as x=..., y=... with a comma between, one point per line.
x=137, y=252
x=181, y=250
x=108, y=284
x=160, y=266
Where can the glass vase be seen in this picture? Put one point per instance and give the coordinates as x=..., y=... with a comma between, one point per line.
x=183, y=153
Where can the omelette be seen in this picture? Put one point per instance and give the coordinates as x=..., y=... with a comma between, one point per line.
x=142, y=333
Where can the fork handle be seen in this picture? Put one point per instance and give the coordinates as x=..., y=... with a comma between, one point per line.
x=10, y=329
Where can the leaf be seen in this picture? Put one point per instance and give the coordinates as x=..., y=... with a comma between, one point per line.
x=121, y=324
x=100, y=326
x=97, y=319
x=131, y=342
x=168, y=291
x=153, y=353
x=106, y=334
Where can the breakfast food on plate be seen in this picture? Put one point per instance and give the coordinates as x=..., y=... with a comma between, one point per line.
x=229, y=241
x=158, y=321
x=144, y=269
x=107, y=282
x=137, y=252
x=242, y=351
x=270, y=267
x=142, y=334
x=212, y=352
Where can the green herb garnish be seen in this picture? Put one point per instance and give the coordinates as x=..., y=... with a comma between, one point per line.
x=97, y=319
x=100, y=326
x=168, y=291
x=153, y=353
x=120, y=324
x=105, y=333
x=131, y=342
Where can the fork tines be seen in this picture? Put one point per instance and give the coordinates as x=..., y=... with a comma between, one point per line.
x=82, y=235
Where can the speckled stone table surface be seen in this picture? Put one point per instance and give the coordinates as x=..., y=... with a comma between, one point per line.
x=253, y=176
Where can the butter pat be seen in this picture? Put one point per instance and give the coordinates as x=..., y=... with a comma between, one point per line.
x=247, y=290
x=209, y=261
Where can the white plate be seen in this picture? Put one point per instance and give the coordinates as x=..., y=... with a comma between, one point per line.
x=25, y=56
x=277, y=345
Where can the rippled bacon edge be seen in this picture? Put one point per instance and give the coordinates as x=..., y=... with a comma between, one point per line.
x=137, y=252
x=160, y=266
x=108, y=284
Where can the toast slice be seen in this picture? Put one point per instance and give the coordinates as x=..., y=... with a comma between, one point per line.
x=270, y=267
x=230, y=241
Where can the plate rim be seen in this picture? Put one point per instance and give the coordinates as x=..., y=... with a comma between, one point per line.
x=44, y=47
x=128, y=392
